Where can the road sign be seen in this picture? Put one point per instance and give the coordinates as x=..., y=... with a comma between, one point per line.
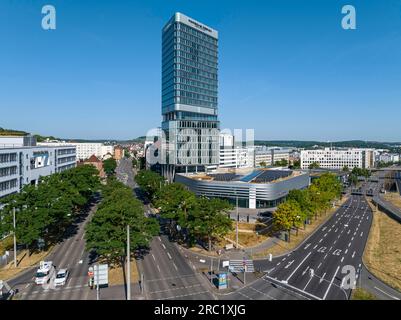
x=101, y=272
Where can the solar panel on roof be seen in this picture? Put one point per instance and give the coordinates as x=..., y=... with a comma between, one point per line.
x=271, y=175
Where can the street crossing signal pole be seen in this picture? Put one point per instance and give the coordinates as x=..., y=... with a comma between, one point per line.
x=237, y=221
x=128, y=266
x=97, y=287
x=15, y=240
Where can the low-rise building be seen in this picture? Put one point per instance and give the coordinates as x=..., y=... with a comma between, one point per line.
x=96, y=162
x=330, y=158
x=25, y=164
x=254, y=188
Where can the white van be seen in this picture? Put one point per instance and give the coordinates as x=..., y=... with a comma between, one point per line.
x=45, y=272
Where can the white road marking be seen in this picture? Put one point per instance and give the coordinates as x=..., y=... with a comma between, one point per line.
x=331, y=282
x=342, y=259
x=169, y=256
x=303, y=273
x=159, y=239
x=307, y=246
x=352, y=238
x=164, y=247
x=310, y=279
x=325, y=256
x=353, y=255
x=361, y=233
x=158, y=268
x=319, y=265
x=289, y=264
x=153, y=257
x=315, y=247
x=349, y=244
x=298, y=266
x=175, y=266
x=320, y=240
x=322, y=278
x=395, y=298
x=346, y=251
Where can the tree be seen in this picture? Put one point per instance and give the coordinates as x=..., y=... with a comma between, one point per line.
x=149, y=182
x=306, y=206
x=345, y=169
x=134, y=162
x=287, y=215
x=263, y=164
x=46, y=210
x=175, y=202
x=296, y=164
x=109, y=166
x=314, y=165
x=106, y=232
x=208, y=219
x=281, y=163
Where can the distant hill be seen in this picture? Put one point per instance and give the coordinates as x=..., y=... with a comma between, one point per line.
x=11, y=132
x=338, y=144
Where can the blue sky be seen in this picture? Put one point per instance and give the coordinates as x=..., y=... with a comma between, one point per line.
x=286, y=68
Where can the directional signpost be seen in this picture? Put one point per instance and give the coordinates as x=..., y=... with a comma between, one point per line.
x=99, y=274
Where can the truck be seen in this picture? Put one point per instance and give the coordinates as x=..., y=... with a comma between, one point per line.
x=45, y=272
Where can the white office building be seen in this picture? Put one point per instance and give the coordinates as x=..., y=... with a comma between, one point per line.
x=25, y=164
x=270, y=155
x=330, y=158
x=85, y=149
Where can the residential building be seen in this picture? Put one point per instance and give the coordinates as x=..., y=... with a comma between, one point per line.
x=189, y=95
x=330, y=158
x=96, y=162
x=118, y=153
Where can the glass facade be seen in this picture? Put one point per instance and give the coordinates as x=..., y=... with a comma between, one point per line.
x=190, y=92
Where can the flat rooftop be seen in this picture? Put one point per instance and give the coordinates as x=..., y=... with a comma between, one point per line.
x=247, y=175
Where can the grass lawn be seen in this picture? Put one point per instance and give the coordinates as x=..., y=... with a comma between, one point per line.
x=382, y=255
x=116, y=274
x=24, y=262
x=394, y=198
x=282, y=246
x=361, y=294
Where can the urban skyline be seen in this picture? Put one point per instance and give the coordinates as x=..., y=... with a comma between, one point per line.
x=285, y=77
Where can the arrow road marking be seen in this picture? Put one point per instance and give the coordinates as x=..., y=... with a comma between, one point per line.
x=289, y=264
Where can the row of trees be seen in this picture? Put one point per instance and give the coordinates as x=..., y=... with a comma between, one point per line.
x=302, y=205
x=106, y=232
x=44, y=211
x=191, y=218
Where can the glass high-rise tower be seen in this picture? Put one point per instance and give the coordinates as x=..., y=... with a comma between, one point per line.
x=189, y=94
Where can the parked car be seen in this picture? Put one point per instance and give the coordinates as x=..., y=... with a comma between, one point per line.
x=61, y=277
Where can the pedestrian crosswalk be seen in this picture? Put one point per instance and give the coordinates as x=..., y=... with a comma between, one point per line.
x=240, y=265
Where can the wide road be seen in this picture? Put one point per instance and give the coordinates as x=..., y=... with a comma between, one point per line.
x=167, y=273
x=338, y=243
x=68, y=254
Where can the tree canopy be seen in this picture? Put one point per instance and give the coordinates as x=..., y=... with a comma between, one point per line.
x=47, y=209
x=109, y=166
x=106, y=232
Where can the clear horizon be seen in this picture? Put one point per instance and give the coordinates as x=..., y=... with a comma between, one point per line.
x=287, y=70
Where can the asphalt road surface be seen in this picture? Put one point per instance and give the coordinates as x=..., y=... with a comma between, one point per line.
x=338, y=243
x=167, y=273
x=69, y=254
